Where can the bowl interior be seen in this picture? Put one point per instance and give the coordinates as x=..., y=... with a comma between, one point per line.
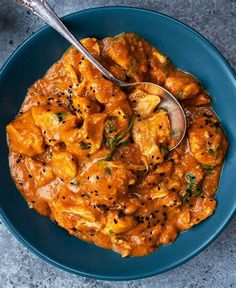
x=189, y=52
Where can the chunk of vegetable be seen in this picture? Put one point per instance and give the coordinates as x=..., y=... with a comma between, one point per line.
x=152, y=135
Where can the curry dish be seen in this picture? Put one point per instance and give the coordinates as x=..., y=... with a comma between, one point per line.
x=95, y=158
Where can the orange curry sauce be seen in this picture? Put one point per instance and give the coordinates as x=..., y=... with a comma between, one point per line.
x=94, y=158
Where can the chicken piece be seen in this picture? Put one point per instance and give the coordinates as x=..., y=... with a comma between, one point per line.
x=207, y=141
x=71, y=57
x=63, y=165
x=201, y=99
x=202, y=208
x=128, y=51
x=159, y=66
x=72, y=211
x=64, y=73
x=85, y=105
x=150, y=184
x=24, y=137
x=116, y=224
x=53, y=122
x=152, y=135
x=128, y=205
x=184, y=219
x=41, y=174
x=54, y=87
x=143, y=103
x=182, y=85
x=105, y=182
x=121, y=110
x=158, y=191
x=168, y=235
x=87, y=139
x=84, y=69
x=104, y=91
x=164, y=169
x=171, y=200
x=92, y=45
x=147, y=105
x=88, y=70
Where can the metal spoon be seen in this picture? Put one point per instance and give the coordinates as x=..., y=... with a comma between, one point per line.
x=168, y=102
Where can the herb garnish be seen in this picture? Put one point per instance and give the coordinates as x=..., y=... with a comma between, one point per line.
x=110, y=126
x=107, y=170
x=217, y=152
x=118, y=140
x=164, y=150
x=206, y=167
x=84, y=145
x=190, y=177
x=165, y=66
x=191, y=189
x=74, y=182
x=60, y=116
x=179, y=94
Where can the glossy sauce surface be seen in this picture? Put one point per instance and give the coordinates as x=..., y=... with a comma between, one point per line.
x=95, y=158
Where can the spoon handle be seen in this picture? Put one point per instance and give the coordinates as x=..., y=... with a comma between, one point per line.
x=42, y=9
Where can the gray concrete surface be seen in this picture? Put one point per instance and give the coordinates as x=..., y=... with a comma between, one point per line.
x=214, y=267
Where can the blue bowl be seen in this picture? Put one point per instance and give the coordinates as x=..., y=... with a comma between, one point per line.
x=189, y=51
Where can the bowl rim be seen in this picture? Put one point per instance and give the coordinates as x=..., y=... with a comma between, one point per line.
x=41, y=255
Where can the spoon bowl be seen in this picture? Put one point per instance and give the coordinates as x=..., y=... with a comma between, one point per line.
x=170, y=104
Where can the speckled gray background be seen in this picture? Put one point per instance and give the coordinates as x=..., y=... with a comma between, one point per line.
x=214, y=267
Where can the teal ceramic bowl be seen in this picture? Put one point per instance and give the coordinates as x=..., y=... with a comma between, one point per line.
x=189, y=51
